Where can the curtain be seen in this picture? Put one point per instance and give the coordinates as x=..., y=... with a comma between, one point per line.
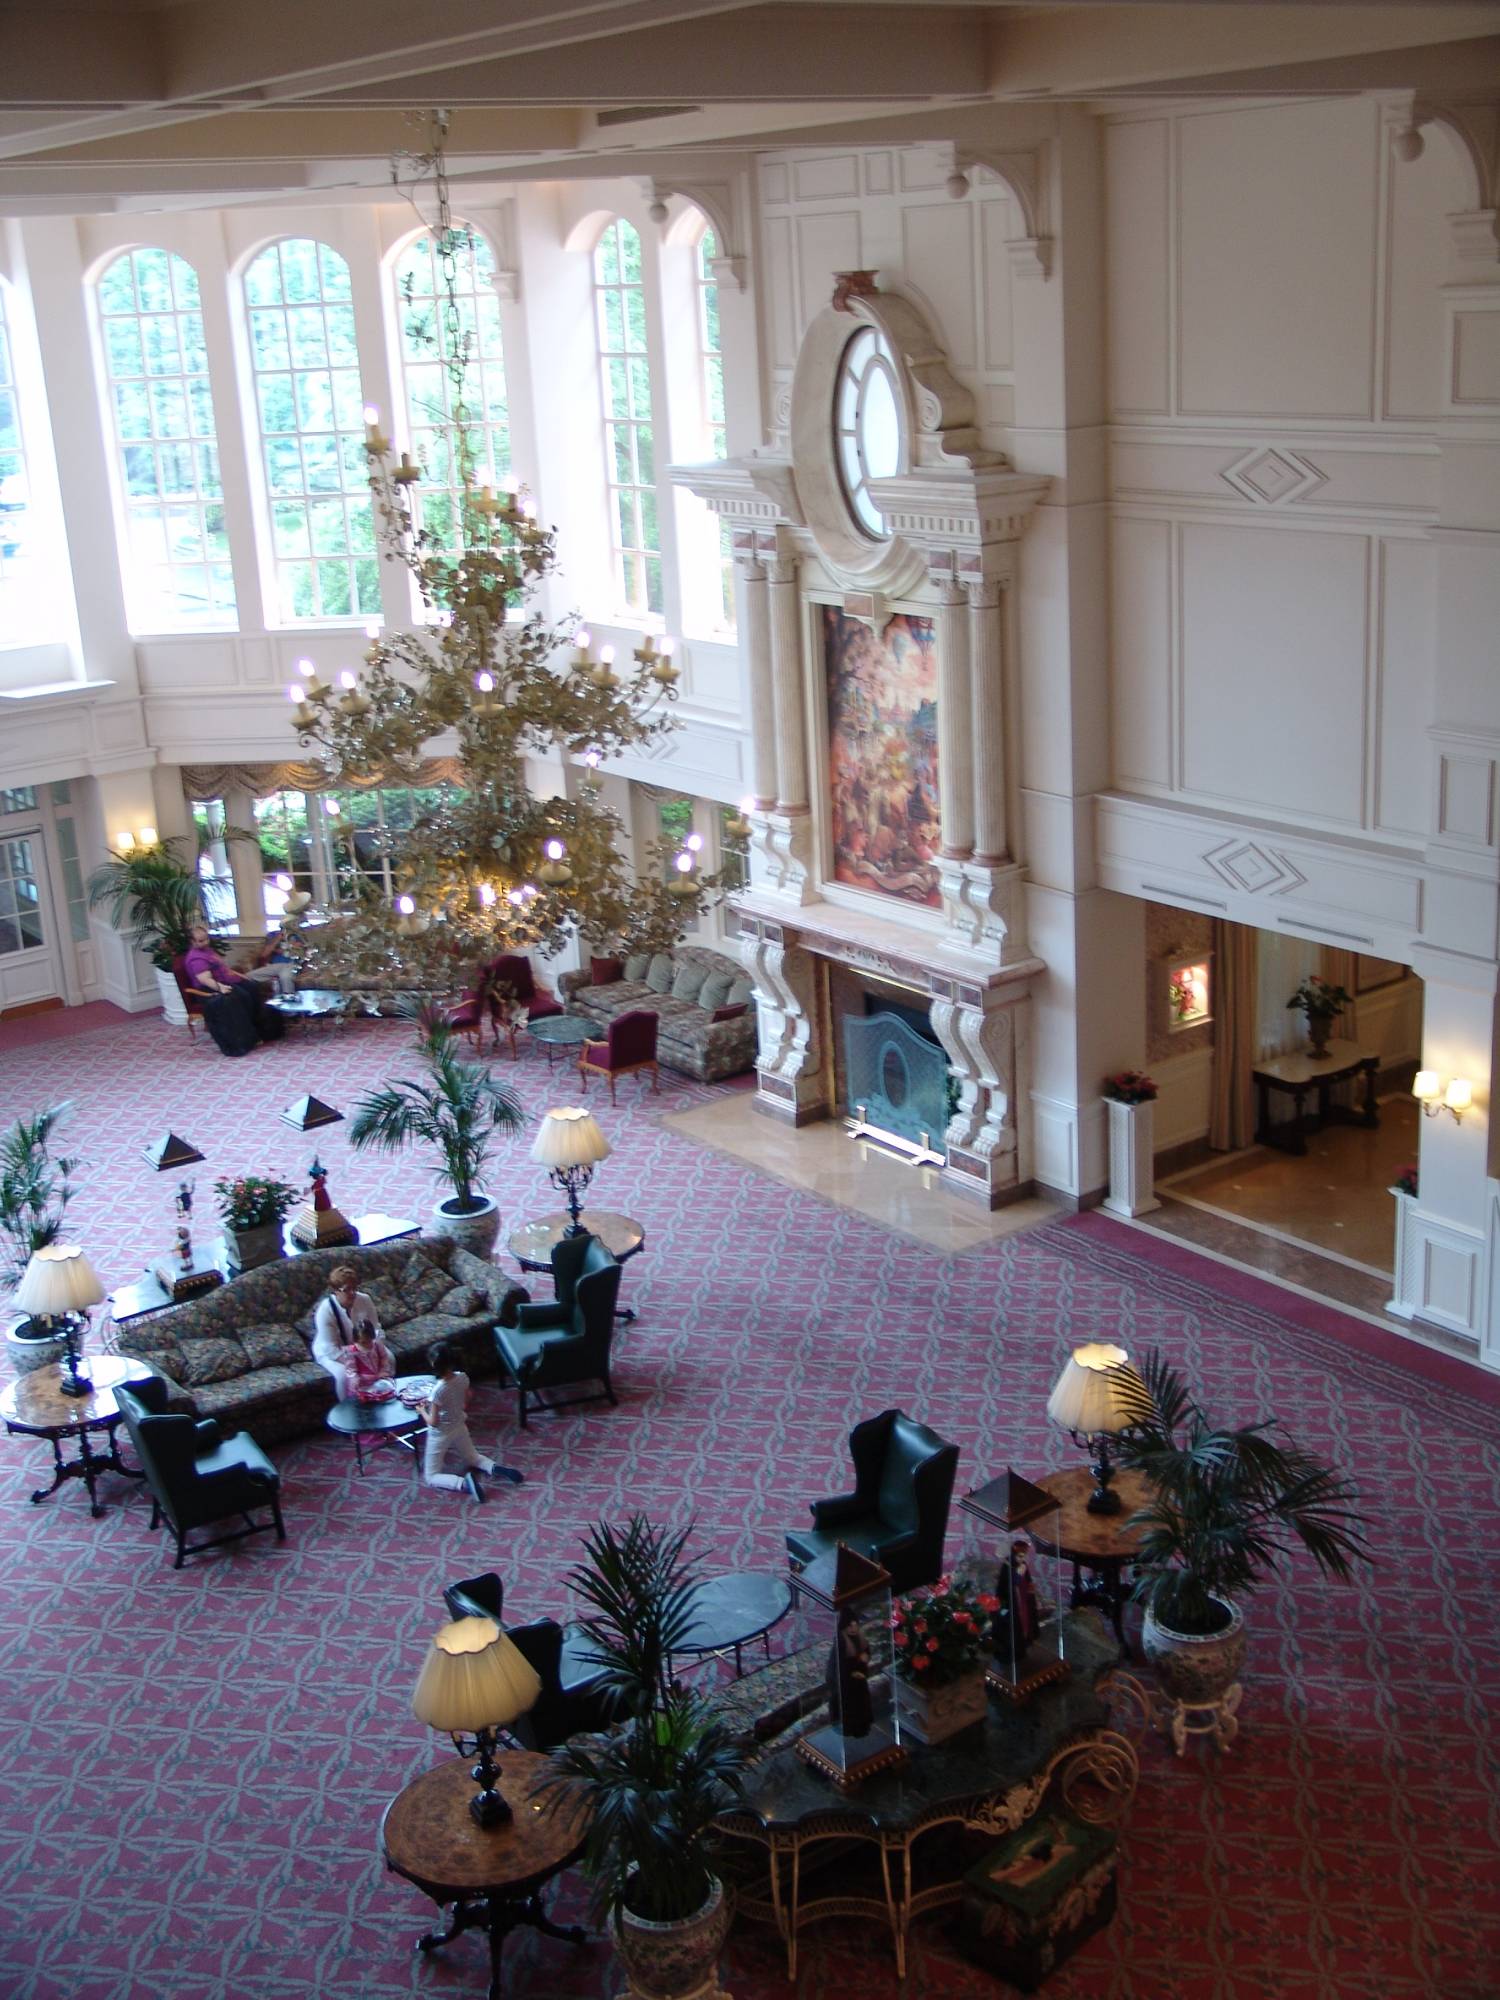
x=1231, y=1116
x=1282, y=963
x=1341, y=968
x=212, y=781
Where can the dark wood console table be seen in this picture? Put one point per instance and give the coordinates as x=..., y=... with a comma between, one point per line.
x=1304, y=1076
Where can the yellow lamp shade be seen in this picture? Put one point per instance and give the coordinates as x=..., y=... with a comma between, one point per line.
x=57, y=1280
x=1098, y=1391
x=1426, y=1086
x=1459, y=1095
x=473, y=1678
x=570, y=1137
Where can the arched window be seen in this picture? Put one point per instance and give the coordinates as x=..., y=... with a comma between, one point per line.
x=174, y=544
x=15, y=488
x=712, y=353
x=433, y=329
x=629, y=433
x=309, y=406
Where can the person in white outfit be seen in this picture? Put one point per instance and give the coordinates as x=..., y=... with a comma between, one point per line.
x=345, y=1308
x=451, y=1459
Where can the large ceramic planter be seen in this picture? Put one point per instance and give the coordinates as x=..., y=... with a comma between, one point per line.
x=474, y=1230
x=26, y=1349
x=667, y=1961
x=934, y=1714
x=1132, y=1162
x=1196, y=1671
x=250, y=1248
x=173, y=1007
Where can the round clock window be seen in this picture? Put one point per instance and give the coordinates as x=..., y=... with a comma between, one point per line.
x=866, y=426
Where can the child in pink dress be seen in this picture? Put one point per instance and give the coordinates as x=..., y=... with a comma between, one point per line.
x=368, y=1366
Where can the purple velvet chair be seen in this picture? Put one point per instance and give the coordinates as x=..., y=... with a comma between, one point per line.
x=504, y=991
x=629, y=1045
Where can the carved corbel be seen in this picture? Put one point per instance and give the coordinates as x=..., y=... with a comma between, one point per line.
x=983, y=1044
x=1474, y=127
x=1031, y=253
x=789, y=1061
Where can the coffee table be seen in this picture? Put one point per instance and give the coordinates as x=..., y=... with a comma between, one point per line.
x=532, y=1243
x=492, y=1875
x=388, y=1423
x=561, y=1031
x=316, y=1004
x=729, y=1611
x=34, y=1406
x=1097, y=1545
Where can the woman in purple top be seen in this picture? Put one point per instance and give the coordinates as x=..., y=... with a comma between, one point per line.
x=234, y=1008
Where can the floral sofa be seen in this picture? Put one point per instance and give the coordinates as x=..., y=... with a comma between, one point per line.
x=243, y=1353
x=709, y=1040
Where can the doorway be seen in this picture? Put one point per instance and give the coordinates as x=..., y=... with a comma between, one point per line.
x=30, y=964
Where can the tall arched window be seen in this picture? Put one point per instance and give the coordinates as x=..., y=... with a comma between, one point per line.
x=309, y=405
x=433, y=330
x=15, y=488
x=712, y=353
x=175, y=545
x=629, y=434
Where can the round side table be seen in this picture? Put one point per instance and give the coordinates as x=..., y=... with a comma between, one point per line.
x=1097, y=1545
x=35, y=1406
x=492, y=1875
x=531, y=1243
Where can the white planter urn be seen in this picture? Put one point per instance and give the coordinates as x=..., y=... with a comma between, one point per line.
x=173, y=1008
x=1131, y=1158
x=474, y=1230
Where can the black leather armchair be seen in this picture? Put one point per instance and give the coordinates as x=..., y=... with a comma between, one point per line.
x=573, y=1700
x=898, y=1512
x=196, y=1475
x=481, y=1596
x=556, y=1344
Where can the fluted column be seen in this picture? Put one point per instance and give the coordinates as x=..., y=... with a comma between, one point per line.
x=756, y=640
x=955, y=756
x=786, y=661
x=987, y=670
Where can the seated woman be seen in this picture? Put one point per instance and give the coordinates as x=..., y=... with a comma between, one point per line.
x=235, y=1012
x=334, y=1326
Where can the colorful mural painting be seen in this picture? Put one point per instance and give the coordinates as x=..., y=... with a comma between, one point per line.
x=882, y=754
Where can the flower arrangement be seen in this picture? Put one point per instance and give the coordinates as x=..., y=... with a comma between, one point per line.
x=1406, y=1181
x=941, y=1634
x=1130, y=1086
x=253, y=1201
x=1320, y=999
x=1180, y=994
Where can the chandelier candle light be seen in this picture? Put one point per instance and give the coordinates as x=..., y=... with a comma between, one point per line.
x=1097, y=1396
x=474, y=1683
x=570, y=1145
x=59, y=1284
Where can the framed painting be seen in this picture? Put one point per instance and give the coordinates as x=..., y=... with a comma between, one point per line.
x=883, y=754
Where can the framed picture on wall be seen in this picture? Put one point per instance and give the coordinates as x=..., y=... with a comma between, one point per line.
x=1189, y=992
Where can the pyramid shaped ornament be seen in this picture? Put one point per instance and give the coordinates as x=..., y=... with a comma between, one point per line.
x=842, y=1577
x=1010, y=1501
x=169, y=1151
x=310, y=1112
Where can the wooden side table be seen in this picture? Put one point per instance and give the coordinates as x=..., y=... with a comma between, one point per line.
x=1097, y=1545
x=35, y=1406
x=493, y=1876
x=1301, y=1075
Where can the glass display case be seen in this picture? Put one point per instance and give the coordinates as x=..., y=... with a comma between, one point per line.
x=1026, y=1629
x=846, y=1605
x=1188, y=994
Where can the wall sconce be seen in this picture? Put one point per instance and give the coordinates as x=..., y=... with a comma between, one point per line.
x=1427, y=1088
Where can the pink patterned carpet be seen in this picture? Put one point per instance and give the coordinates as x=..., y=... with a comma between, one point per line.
x=196, y=1762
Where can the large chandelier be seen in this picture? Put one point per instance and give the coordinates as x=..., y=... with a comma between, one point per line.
x=493, y=868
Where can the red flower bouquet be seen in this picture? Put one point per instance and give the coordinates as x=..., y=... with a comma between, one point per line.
x=943, y=1633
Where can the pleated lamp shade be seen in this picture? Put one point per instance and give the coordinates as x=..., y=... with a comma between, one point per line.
x=57, y=1280
x=1098, y=1392
x=570, y=1137
x=473, y=1678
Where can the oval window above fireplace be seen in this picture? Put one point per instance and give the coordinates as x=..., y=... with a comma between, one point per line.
x=866, y=425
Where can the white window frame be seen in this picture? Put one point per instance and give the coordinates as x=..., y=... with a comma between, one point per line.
x=630, y=560
x=14, y=566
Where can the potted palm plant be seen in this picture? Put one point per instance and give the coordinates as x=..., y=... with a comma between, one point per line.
x=457, y=1107
x=35, y=1189
x=654, y=1785
x=153, y=900
x=1227, y=1506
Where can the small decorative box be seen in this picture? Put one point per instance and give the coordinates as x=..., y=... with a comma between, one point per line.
x=1037, y=1897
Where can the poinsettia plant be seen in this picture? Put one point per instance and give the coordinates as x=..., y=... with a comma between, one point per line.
x=253, y=1201
x=1130, y=1086
x=1406, y=1181
x=943, y=1633
x=1320, y=999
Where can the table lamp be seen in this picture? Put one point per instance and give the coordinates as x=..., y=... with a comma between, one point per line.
x=570, y=1143
x=59, y=1283
x=473, y=1682
x=1097, y=1396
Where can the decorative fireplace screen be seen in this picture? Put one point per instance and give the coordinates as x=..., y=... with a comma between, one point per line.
x=897, y=1087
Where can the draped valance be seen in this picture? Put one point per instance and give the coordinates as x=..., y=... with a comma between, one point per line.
x=213, y=781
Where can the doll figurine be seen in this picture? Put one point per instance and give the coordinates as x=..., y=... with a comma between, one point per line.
x=848, y=1677
x=1017, y=1620
x=317, y=1175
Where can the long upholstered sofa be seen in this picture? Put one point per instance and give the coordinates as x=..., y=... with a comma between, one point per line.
x=243, y=1354
x=708, y=1042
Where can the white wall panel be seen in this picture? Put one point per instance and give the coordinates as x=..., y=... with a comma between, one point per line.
x=1405, y=610
x=1476, y=359
x=999, y=224
x=1416, y=267
x=937, y=254
x=819, y=179
x=1273, y=669
x=1136, y=161
x=1276, y=222
x=825, y=243
x=781, y=291
x=1141, y=651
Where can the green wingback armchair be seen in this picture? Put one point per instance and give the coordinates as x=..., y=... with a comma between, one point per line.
x=558, y=1343
x=196, y=1475
x=898, y=1512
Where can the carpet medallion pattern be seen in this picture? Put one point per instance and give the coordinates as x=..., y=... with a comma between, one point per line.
x=196, y=1762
